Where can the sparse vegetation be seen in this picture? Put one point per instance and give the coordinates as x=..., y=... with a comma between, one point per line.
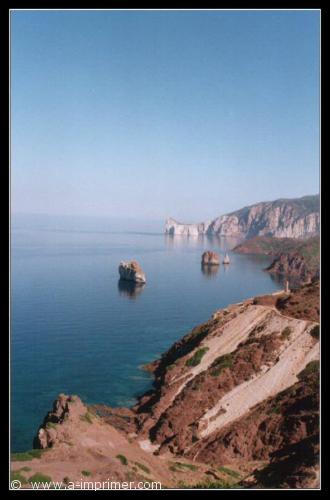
x=142, y=467
x=225, y=361
x=26, y=455
x=181, y=467
x=122, y=459
x=87, y=418
x=26, y=469
x=315, y=332
x=197, y=357
x=86, y=473
x=310, y=368
x=210, y=485
x=38, y=477
x=18, y=476
x=276, y=410
x=229, y=472
x=286, y=333
x=51, y=425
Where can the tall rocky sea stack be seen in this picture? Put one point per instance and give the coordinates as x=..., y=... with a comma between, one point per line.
x=283, y=218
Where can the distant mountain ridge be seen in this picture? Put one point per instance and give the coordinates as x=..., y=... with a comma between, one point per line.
x=282, y=218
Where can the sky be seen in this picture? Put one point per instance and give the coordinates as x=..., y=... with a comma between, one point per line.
x=150, y=114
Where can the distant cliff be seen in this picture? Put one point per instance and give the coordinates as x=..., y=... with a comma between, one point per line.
x=283, y=218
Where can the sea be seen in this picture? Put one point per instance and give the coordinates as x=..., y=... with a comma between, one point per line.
x=75, y=328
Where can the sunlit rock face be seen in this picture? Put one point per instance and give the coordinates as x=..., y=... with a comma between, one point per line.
x=284, y=218
x=131, y=271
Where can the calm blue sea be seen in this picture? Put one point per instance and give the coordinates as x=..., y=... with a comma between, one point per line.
x=76, y=329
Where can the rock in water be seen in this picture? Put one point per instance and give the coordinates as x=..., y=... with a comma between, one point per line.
x=131, y=271
x=210, y=259
x=226, y=259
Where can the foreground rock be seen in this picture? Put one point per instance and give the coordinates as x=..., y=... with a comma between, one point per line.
x=131, y=271
x=283, y=218
x=210, y=259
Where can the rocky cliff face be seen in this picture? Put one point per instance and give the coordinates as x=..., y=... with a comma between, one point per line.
x=293, y=266
x=284, y=218
x=298, y=260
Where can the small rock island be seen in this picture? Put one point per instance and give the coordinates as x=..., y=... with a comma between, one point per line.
x=210, y=259
x=131, y=271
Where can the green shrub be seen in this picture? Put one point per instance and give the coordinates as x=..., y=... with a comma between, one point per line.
x=86, y=473
x=310, y=368
x=87, y=418
x=26, y=455
x=17, y=476
x=210, y=485
x=286, y=333
x=229, y=472
x=197, y=357
x=122, y=458
x=143, y=467
x=38, y=477
x=315, y=332
x=51, y=425
x=26, y=469
x=225, y=361
x=182, y=465
x=276, y=410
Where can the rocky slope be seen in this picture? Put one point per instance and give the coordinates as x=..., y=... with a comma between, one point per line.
x=283, y=218
x=235, y=401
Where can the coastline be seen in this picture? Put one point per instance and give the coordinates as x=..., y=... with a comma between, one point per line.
x=238, y=345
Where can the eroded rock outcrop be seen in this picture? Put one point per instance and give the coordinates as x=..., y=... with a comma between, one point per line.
x=65, y=409
x=131, y=271
x=210, y=259
x=293, y=265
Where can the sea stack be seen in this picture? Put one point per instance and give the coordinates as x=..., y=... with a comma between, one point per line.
x=226, y=259
x=210, y=259
x=131, y=271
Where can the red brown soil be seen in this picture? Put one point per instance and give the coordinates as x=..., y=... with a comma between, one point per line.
x=303, y=303
x=290, y=417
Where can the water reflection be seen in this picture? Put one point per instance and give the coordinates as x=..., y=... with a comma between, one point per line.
x=130, y=289
x=209, y=271
x=224, y=243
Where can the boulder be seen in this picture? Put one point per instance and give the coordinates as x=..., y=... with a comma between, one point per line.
x=131, y=271
x=210, y=259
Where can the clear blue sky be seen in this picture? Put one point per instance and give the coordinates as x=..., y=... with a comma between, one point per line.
x=155, y=113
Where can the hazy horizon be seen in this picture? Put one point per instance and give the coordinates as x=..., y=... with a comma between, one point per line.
x=142, y=115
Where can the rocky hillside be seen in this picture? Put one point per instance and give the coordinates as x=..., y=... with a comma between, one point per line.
x=235, y=402
x=283, y=218
x=293, y=258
